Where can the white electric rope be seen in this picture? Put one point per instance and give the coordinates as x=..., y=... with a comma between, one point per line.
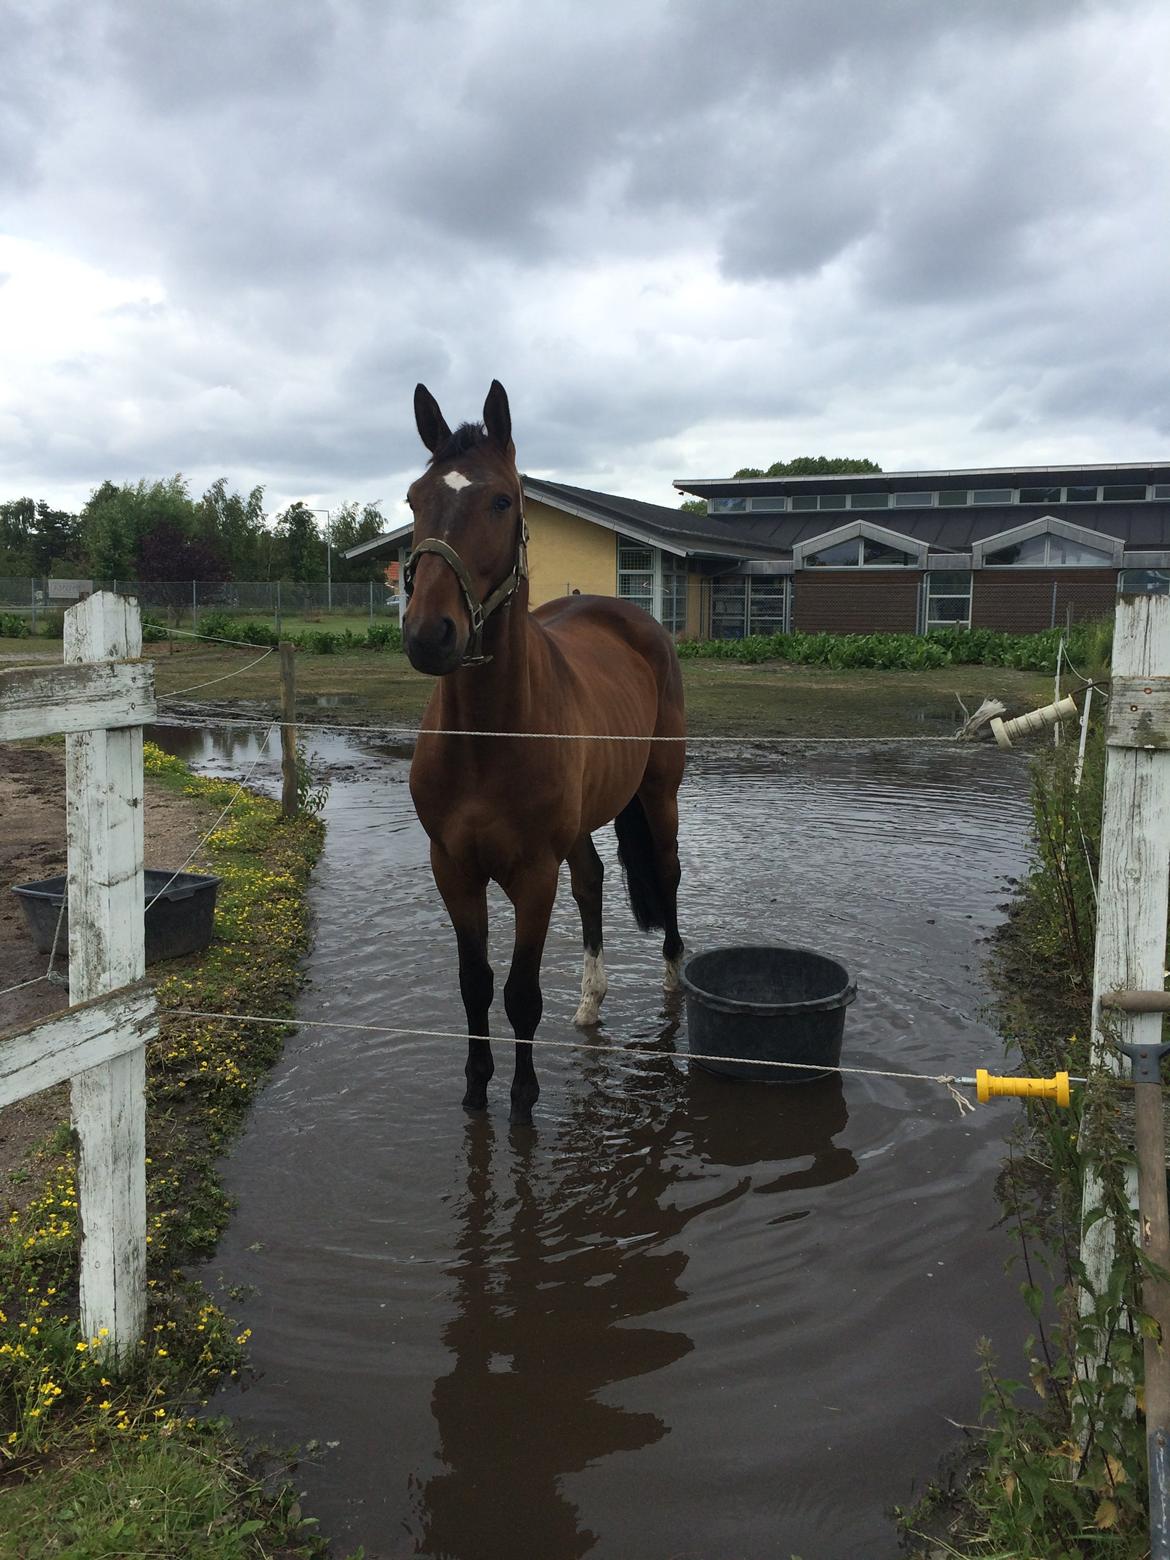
x=947, y=1080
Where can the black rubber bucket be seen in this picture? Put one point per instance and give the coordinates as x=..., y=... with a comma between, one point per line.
x=180, y=920
x=774, y=1004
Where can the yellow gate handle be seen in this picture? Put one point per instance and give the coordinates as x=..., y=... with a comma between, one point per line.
x=989, y=1087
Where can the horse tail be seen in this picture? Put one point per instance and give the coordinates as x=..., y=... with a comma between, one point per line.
x=639, y=868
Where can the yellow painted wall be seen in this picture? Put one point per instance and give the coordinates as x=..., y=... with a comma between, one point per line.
x=566, y=553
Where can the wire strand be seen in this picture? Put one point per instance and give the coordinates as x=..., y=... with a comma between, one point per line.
x=561, y=736
x=234, y=799
x=239, y=672
x=945, y=1080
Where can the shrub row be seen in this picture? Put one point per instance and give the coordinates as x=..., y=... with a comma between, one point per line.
x=1087, y=642
x=217, y=625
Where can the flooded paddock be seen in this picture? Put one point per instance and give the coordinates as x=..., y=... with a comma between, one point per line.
x=682, y=1317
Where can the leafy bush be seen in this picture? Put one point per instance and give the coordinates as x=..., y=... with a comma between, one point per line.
x=13, y=625
x=1088, y=645
x=52, y=625
x=153, y=629
x=384, y=636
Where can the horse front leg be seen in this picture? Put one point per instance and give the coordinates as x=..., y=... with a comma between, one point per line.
x=532, y=893
x=465, y=895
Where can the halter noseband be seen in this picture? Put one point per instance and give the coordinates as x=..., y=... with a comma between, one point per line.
x=478, y=611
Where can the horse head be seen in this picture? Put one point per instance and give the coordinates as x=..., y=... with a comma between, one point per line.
x=469, y=552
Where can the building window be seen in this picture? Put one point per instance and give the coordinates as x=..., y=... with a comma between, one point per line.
x=1082, y=495
x=913, y=500
x=860, y=552
x=770, y=503
x=1160, y=490
x=992, y=495
x=948, y=600
x=728, y=608
x=635, y=576
x=1049, y=551
x=674, y=594
x=1124, y=492
x=1040, y=495
x=749, y=604
x=768, y=604
x=804, y=501
x=1144, y=582
x=728, y=506
x=869, y=500
x=951, y=497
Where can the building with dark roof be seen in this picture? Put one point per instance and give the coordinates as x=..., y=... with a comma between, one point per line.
x=1020, y=548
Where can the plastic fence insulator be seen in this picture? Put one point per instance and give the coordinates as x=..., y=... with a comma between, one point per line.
x=989, y=1087
x=1034, y=720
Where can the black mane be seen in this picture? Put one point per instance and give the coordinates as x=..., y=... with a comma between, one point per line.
x=468, y=436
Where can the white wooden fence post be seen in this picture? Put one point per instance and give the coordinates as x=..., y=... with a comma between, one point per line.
x=1135, y=866
x=104, y=828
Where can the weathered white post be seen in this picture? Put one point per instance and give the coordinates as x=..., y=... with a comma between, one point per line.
x=1135, y=864
x=104, y=829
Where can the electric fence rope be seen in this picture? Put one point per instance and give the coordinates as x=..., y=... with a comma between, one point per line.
x=236, y=794
x=237, y=672
x=740, y=740
x=948, y=1081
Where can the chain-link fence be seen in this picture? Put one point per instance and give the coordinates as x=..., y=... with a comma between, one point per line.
x=182, y=603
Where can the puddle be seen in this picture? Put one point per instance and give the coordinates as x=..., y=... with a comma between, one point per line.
x=683, y=1316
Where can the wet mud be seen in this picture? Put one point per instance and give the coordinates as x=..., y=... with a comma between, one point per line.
x=682, y=1316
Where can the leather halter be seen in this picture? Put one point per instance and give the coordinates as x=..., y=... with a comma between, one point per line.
x=478, y=611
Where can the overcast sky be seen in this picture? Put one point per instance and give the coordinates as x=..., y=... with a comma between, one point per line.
x=686, y=235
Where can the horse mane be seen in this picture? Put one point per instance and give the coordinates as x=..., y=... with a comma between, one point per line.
x=468, y=436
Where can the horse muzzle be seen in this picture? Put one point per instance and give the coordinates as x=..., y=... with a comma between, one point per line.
x=434, y=646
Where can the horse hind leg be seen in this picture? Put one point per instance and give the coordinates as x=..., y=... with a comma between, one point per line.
x=587, y=875
x=655, y=838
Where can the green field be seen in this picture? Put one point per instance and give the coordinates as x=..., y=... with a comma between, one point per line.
x=775, y=698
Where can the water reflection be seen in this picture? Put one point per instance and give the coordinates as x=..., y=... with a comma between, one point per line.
x=560, y=1259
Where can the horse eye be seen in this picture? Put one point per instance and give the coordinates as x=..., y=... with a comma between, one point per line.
x=501, y=501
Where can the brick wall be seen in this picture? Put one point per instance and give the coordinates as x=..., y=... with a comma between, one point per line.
x=856, y=601
x=1020, y=600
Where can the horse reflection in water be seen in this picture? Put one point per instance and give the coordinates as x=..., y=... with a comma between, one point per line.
x=559, y=1246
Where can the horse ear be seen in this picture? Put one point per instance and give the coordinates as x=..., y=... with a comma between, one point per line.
x=497, y=418
x=431, y=424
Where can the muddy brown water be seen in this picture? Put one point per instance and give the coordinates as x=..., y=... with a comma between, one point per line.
x=682, y=1317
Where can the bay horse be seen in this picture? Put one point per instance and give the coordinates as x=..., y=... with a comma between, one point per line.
x=512, y=809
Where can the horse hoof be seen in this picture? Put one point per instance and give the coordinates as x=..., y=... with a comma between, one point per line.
x=519, y=1117
x=587, y=1016
x=476, y=1101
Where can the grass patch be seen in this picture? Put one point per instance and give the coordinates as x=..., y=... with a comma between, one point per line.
x=1061, y=1468
x=75, y=1434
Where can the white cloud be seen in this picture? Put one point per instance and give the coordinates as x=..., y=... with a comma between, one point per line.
x=685, y=237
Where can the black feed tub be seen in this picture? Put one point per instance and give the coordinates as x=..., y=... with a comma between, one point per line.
x=180, y=920
x=774, y=1004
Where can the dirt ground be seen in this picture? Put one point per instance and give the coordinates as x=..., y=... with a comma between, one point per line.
x=32, y=846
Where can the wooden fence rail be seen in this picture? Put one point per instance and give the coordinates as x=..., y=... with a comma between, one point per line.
x=101, y=699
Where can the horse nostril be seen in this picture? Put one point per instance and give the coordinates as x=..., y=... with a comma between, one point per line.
x=445, y=638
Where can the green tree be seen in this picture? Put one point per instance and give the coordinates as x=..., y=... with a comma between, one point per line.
x=235, y=526
x=301, y=546
x=811, y=466
x=350, y=525
x=800, y=466
x=117, y=520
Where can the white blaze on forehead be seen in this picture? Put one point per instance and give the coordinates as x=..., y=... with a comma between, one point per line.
x=456, y=480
